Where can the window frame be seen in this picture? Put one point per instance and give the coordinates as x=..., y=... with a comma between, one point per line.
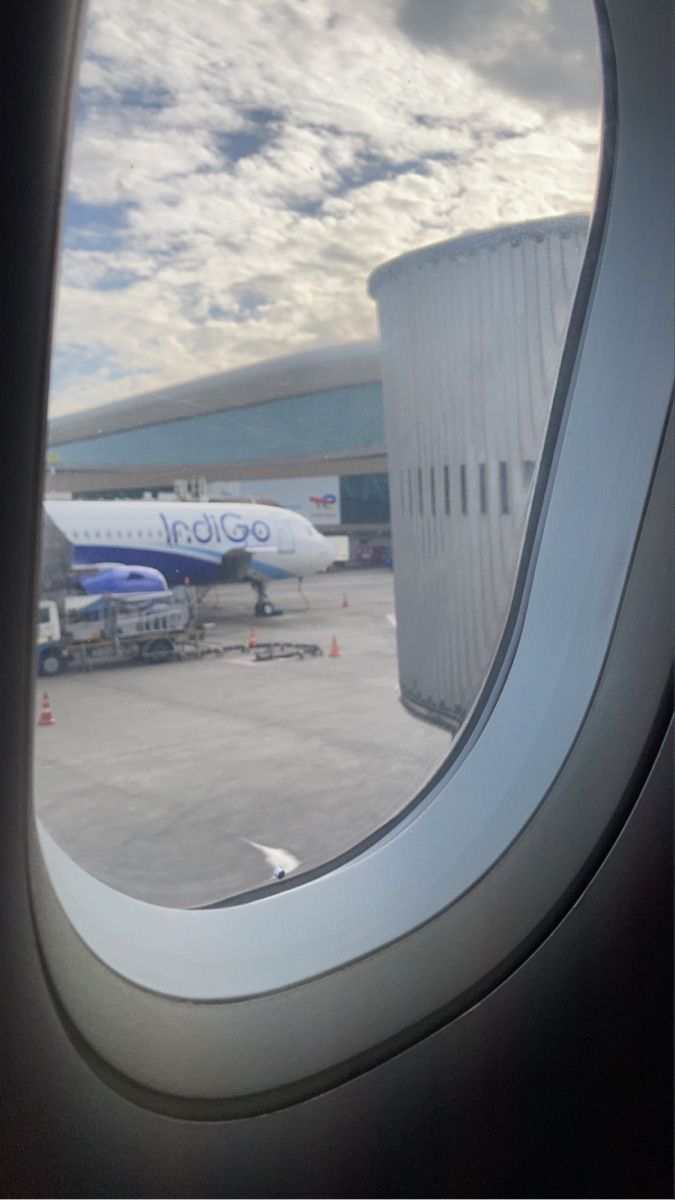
x=388, y=939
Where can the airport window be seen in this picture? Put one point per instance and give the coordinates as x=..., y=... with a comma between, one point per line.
x=365, y=498
x=270, y=378
x=504, y=486
x=482, y=487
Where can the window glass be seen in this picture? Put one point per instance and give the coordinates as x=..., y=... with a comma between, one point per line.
x=318, y=263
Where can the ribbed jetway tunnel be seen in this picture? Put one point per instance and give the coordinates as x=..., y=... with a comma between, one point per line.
x=471, y=335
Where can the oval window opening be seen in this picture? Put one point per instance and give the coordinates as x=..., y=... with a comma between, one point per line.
x=317, y=272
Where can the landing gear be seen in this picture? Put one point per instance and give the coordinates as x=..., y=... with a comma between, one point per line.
x=263, y=605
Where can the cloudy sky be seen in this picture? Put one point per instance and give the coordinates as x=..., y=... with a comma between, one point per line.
x=240, y=167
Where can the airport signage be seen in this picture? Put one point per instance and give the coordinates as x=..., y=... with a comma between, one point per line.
x=317, y=498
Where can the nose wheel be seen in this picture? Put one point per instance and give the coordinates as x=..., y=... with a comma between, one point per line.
x=263, y=605
x=264, y=608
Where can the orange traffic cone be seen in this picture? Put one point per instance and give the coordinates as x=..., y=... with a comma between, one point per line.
x=345, y=601
x=334, y=651
x=252, y=640
x=46, y=714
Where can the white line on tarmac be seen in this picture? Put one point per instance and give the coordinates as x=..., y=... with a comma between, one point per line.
x=391, y=619
x=276, y=857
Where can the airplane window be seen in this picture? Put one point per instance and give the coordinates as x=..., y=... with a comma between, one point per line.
x=297, y=301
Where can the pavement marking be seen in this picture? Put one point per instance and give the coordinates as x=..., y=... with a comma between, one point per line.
x=391, y=619
x=275, y=856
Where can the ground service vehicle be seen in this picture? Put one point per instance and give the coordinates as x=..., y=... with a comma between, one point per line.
x=339, y=545
x=373, y=556
x=435, y=1016
x=85, y=630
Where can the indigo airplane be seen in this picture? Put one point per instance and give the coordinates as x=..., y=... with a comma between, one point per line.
x=202, y=543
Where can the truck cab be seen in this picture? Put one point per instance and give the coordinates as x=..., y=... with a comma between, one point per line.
x=50, y=645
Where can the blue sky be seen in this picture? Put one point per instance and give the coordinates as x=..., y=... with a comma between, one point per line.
x=238, y=170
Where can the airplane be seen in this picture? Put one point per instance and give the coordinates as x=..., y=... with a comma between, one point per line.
x=202, y=544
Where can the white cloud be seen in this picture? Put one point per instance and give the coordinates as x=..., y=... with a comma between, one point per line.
x=362, y=143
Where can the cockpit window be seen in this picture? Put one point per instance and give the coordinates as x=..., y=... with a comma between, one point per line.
x=318, y=264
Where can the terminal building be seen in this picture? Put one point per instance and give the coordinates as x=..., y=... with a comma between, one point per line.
x=471, y=333
x=304, y=431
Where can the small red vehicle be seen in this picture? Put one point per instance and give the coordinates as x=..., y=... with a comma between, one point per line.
x=373, y=556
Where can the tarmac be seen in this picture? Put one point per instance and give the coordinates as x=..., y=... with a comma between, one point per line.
x=187, y=783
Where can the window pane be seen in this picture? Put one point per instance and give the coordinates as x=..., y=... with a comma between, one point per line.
x=231, y=398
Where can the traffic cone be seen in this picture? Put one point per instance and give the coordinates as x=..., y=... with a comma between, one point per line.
x=46, y=714
x=345, y=601
x=252, y=640
x=334, y=651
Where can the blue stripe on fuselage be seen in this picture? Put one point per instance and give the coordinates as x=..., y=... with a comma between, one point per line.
x=175, y=567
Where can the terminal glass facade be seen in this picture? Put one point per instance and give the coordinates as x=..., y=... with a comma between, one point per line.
x=364, y=499
x=318, y=423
